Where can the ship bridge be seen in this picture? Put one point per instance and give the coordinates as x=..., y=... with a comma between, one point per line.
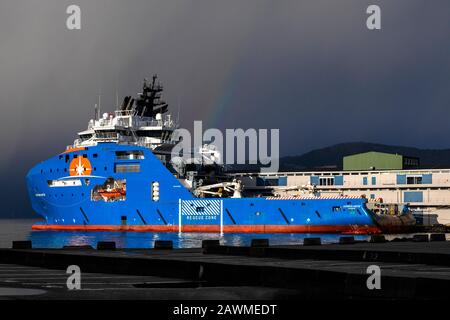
x=142, y=121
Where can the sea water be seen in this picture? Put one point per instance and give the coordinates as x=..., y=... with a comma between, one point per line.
x=20, y=229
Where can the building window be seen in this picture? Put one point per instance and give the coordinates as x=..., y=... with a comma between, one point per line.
x=411, y=162
x=365, y=181
x=271, y=181
x=413, y=196
x=374, y=180
x=372, y=196
x=414, y=180
x=326, y=181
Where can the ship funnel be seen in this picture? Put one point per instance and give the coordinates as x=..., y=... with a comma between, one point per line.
x=125, y=102
x=130, y=104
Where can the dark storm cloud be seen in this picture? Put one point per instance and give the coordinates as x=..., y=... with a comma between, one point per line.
x=310, y=68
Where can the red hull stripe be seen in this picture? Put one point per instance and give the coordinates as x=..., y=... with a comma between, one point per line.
x=344, y=229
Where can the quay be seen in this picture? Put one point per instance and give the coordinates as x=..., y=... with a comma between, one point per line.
x=414, y=268
x=380, y=177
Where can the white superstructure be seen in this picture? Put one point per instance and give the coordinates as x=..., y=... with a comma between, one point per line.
x=142, y=122
x=128, y=128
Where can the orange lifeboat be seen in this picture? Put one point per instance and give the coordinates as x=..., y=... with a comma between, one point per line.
x=113, y=193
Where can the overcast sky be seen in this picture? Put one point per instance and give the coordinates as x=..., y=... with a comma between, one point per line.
x=310, y=68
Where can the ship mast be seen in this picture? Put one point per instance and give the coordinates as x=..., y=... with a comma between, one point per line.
x=149, y=102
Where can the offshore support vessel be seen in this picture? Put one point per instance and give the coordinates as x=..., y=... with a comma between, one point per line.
x=118, y=176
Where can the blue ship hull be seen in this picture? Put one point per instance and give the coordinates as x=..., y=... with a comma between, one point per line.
x=107, y=187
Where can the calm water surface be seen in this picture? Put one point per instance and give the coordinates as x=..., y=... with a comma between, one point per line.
x=18, y=229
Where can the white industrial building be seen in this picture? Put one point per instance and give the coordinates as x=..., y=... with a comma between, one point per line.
x=427, y=191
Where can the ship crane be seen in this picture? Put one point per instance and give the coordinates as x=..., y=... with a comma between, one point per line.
x=235, y=186
x=308, y=189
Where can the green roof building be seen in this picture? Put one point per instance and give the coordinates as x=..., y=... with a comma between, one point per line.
x=373, y=160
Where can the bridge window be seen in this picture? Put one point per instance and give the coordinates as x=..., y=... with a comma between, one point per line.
x=127, y=167
x=130, y=155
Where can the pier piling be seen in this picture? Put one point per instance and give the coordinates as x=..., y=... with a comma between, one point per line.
x=22, y=245
x=106, y=245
